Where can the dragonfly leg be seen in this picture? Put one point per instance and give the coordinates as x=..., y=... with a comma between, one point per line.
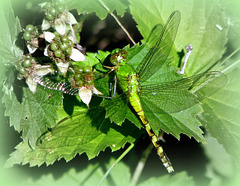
x=115, y=86
x=160, y=136
x=189, y=49
x=108, y=72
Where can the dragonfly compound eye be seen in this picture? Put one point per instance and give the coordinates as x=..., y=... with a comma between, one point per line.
x=118, y=56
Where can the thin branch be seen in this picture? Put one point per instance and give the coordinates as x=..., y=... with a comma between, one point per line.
x=233, y=64
x=141, y=164
x=119, y=23
x=113, y=165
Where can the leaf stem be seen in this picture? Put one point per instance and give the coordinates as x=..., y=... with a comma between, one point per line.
x=119, y=23
x=141, y=165
x=233, y=64
x=113, y=165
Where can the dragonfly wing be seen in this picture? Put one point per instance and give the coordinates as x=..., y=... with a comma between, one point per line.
x=49, y=83
x=208, y=83
x=155, y=33
x=158, y=54
x=179, y=95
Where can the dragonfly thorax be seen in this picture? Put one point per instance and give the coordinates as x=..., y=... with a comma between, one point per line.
x=133, y=84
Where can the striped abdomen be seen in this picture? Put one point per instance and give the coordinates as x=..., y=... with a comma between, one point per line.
x=136, y=104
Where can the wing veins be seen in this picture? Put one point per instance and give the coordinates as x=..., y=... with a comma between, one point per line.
x=158, y=54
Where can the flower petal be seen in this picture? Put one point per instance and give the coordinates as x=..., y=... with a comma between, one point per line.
x=71, y=19
x=44, y=70
x=96, y=91
x=46, y=50
x=71, y=37
x=85, y=95
x=63, y=67
x=45, y=24
x=32, y=84
x=60, y=26
x=49, y=36
x=77, y=55
x=31, y=48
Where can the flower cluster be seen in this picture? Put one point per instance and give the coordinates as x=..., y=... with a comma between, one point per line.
x=61, y=49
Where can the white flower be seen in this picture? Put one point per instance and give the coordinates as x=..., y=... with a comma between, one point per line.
x=60, y=22
x=32, y=77
x=32, y=84
x=96, y=91
x=76, y=55
x=49, y=36
x=46, y=24
x=31, y=48
x=63, y=67
x=85, y=93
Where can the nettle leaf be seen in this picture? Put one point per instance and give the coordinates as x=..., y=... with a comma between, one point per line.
x=221, y=116
x=175, y=123
x=9, y=43
x=179, y=178
x=203, y=24
x=32, y=113
x=89, y=176
x=204, y=32
x=95, y=6
x=221, y=167
x=29, y=113
x=183, y=122
x=93, y=173
x=84, y=132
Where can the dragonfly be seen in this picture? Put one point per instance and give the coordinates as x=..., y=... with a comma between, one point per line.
x=168, y=97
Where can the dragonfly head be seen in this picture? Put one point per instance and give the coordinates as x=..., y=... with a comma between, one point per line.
x=118, y=56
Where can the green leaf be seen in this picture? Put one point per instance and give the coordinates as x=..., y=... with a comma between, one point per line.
x=93, y=173
x=199, y=26
x=9, y=36
x=180, y=178
x=232, y=9
x=220, y=168
x=84, y=132
x=182, y=122
x=31, y=113
x=221, y=116
x=89, y=176
x=92, y=58
x=95, y=6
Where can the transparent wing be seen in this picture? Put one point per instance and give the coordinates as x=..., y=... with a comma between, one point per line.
x=50, y=83
x=155, y=33
x=160, y=51
x=179, y=95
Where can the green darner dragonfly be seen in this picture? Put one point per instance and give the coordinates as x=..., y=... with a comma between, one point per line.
x=167, y=97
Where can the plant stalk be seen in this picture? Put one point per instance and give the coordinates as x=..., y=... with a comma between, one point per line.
x=113, y=165
x=141, y=164
x=119, y=23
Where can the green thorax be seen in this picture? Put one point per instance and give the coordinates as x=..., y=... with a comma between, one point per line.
x=127, y=79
